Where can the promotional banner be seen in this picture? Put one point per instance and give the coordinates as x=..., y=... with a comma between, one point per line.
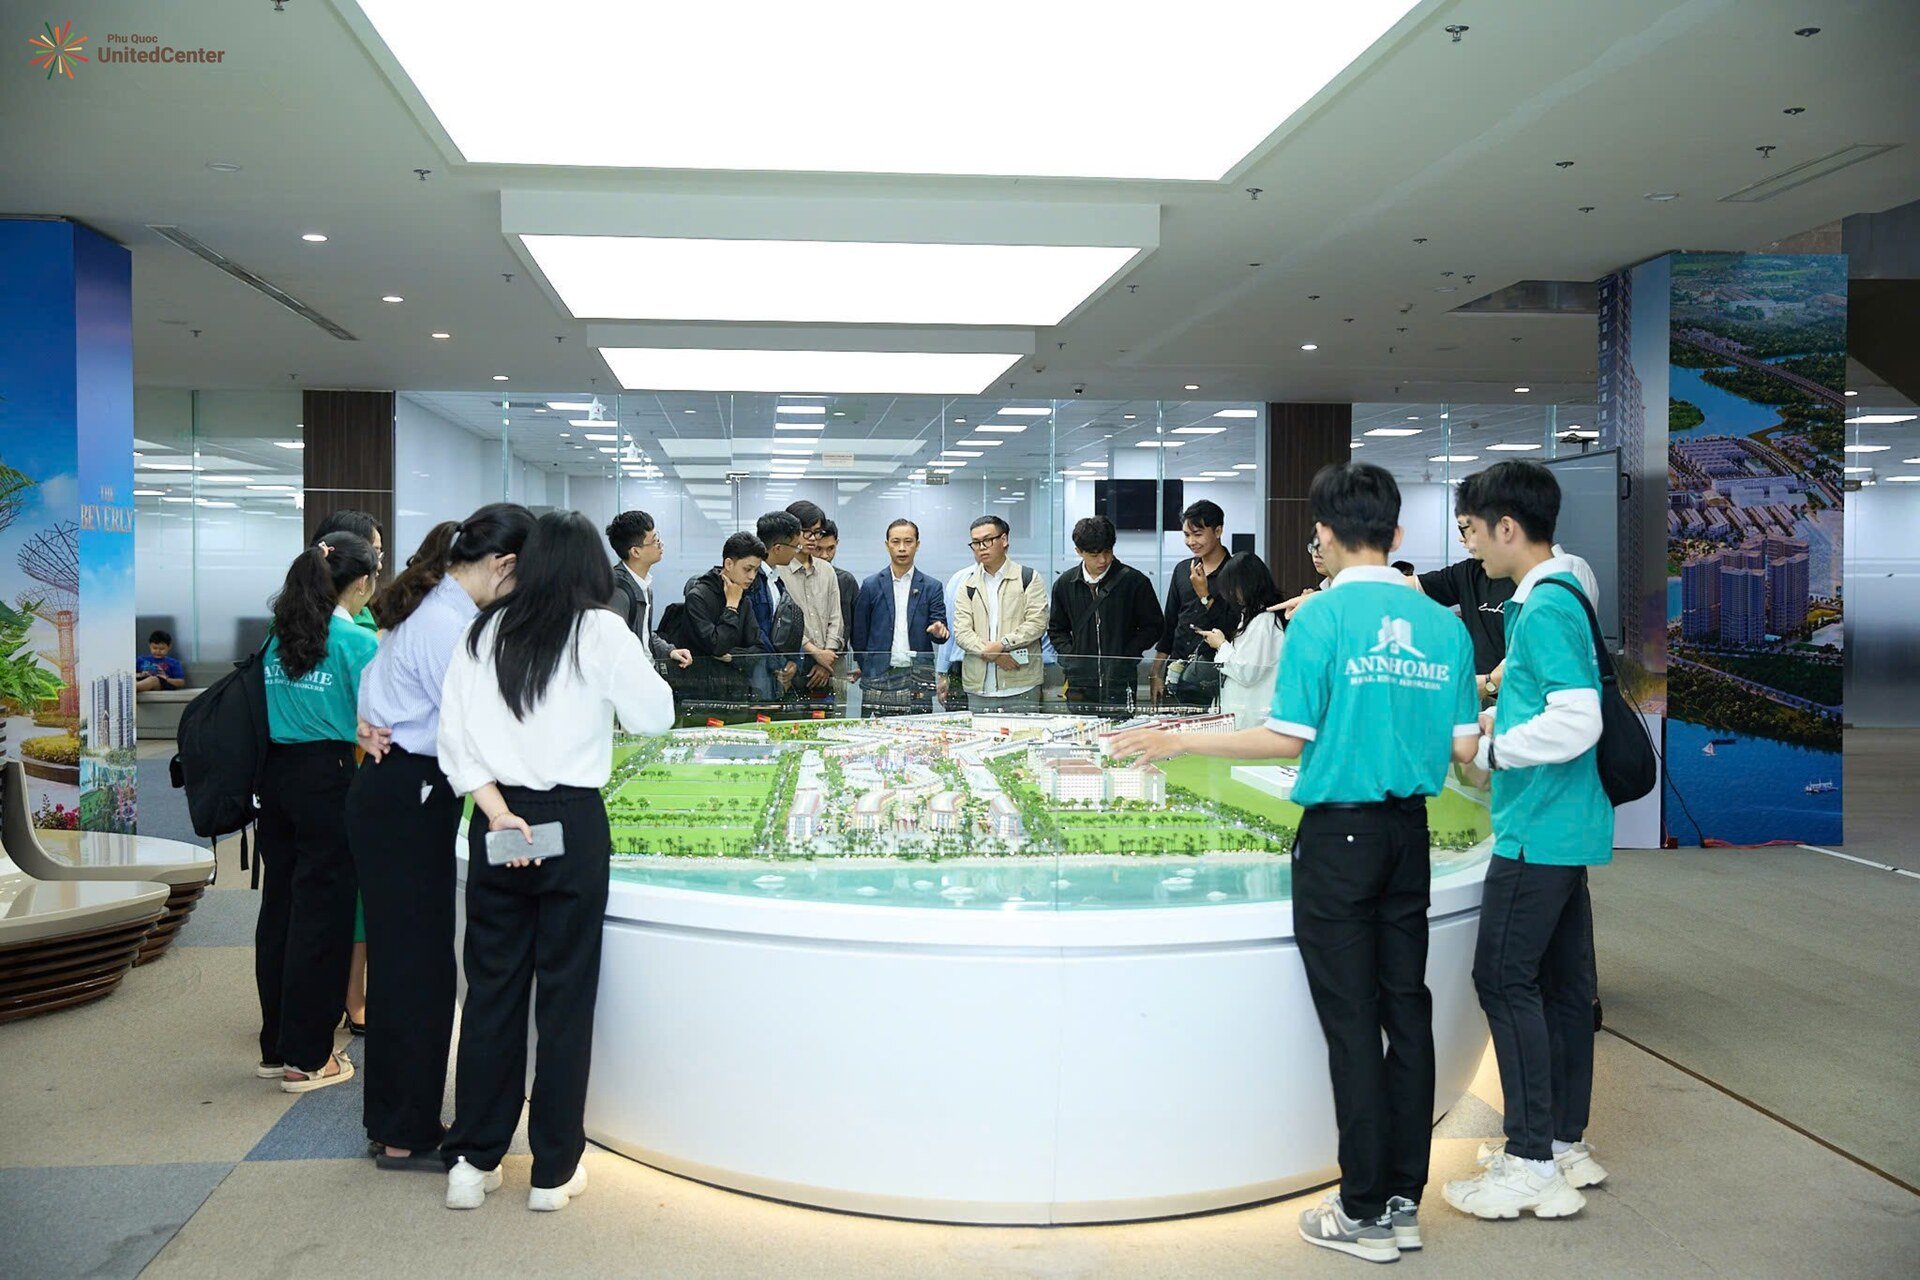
x=1757, y=355
x=66, y=522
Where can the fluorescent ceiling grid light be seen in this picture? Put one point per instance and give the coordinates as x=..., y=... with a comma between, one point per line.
x=1868, y=448
x=982, y=444
x=599, y=435
x=1003, y=428
x=1910, y=461
x=799, y=426
x=959, y=453
x=209, y=479
x=1881, y=419
x=1161, y=444
x=1454, y=457
x=801, y=449
x=1512, y=448
x=1238, y=413
x=1222, y=475
x=1858, y=471
x=291, y=444
x=607, y=421
x=1014, y=411
x=1198, y=431
x=821, y=281
x=1394, y=431
x=1902, y=479
x=1246, y=466
x=148, y=493
x=797, y=409
x=472, y=77
x=1092, y=462
x=1199, y=479
x=572, y=406
x=166, y=466
x=850, y=372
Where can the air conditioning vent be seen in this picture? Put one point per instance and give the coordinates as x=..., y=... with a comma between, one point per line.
x=252, y=281
x=1808, y=171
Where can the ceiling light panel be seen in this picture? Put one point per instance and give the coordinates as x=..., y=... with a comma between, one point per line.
x=471, y=76
x=635, y=278
x=845, y=372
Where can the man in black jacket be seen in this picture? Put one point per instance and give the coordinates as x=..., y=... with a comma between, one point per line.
x=636, y=545
x=1104, y=617
x=1192, y=607
x=717, y=626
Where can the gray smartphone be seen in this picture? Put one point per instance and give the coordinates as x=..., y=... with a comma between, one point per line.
x=505, y=846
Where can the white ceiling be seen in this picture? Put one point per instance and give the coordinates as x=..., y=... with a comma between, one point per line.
x=1452, y=143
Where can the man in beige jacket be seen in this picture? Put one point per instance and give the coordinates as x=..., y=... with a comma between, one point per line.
x=999, y=620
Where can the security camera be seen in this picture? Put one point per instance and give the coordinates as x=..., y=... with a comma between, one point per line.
x=1079, y=388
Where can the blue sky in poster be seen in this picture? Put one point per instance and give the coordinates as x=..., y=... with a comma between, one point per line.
x=37, y=382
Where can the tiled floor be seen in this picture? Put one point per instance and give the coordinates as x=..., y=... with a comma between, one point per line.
x=134, y=1138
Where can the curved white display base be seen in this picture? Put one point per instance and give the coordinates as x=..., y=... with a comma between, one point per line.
x=984, y=1067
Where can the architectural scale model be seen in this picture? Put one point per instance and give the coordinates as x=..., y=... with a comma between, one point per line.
x=951, y=785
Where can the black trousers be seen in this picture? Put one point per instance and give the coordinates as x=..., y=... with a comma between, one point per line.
x=303, y=939
x=1360, y=894
x=525, y=923
x=1534, y=970
x=402, y=819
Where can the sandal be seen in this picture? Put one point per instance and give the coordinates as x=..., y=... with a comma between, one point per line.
x=270, y=1071
x=297, y=1081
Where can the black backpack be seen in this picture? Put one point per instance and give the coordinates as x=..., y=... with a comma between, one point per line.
x=1625, y=753
x=223, y=740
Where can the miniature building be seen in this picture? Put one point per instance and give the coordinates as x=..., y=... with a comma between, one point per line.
x=1004, y=819
x=1137, y=782
x=943, y=813
x=803, y=819
x=868, y=810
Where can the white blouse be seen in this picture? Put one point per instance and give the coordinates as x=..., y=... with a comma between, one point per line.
x=566, y=739
x=1248, y=663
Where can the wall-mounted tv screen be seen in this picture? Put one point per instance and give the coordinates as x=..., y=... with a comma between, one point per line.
x=1130, y=504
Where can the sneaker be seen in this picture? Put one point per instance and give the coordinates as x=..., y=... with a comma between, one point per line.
x=1509, y=1186
x=553, y=1199
x=1576, y=1163
x=467, y=1187
x=1328, y=1226
x=1405, y=1215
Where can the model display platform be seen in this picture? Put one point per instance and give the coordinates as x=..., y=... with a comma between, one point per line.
x=972, y=969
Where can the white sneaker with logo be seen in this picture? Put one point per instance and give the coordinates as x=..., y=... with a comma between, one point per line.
x=1327, y=1225
x=1511, y=1186
x=467, y=1187
x=1576, y=1163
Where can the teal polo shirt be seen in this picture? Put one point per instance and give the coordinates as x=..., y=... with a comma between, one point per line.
x=1378, y=681
x=323, y=704
x=1558, y=815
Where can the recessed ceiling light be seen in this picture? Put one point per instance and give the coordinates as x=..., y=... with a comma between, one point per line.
x=803, y=449
x=1394, y=431
x=149, y=493
x=314, y=237
x=1018, y=411
x=572, y=406
x=1199, y=479
x=1881, y=418
x=1246, y=466
x=981, y=444
x=500, y=377
x=1198, y=431
x=796, y=410
x=1160, y=444
x=1233, y=413
x=1129, y=416
x=566, y=435
x=592, y=435
x=774, y=372
x=1902, y=479
x=1910, y=461
x=1661, y=197
x=1192, y=386
x=1092, y=462
x=1003, y=428
x=960, y=453
x=1521, y=391
x=1850, y=393
x=1868, y=448
x=1413, y=417
x=1222, y=475
x=1513, y=448
x=959, y=419
x=1356, y=444
x=223, y=166
x=1309, y=346
x=169, y=466
x=291, y=444
x=799, y=426
x=1454, y=457
x=1858, y=471
x=270, y=488
x=475, y=86
x=392, y=297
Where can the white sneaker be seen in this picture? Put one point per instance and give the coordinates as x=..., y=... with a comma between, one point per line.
x=1510, y=1186
x=1576, y=1163
x=553, y=1199
x=1405, y=1216
x=467, y=1187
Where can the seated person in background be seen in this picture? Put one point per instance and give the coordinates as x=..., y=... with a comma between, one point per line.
x=157, y=668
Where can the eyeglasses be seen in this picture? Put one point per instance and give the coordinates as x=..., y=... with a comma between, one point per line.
x=1466, y=530
x=1313, y=547
x=981, y=544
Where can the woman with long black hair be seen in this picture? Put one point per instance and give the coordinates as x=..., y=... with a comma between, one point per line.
x=304, y=937
x=526, y=728
x=402, y=817
x=1250, y=656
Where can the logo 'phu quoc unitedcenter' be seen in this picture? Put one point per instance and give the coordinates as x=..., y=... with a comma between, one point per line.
x=59, y=52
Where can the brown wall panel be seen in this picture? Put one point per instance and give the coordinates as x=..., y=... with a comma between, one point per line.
x=348, y=461
x=1301, y=438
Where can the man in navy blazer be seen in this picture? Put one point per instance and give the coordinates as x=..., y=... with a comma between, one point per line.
x=898, y=618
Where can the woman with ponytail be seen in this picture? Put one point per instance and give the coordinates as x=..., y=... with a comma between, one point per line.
x=402, y=819
x=304, y=937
